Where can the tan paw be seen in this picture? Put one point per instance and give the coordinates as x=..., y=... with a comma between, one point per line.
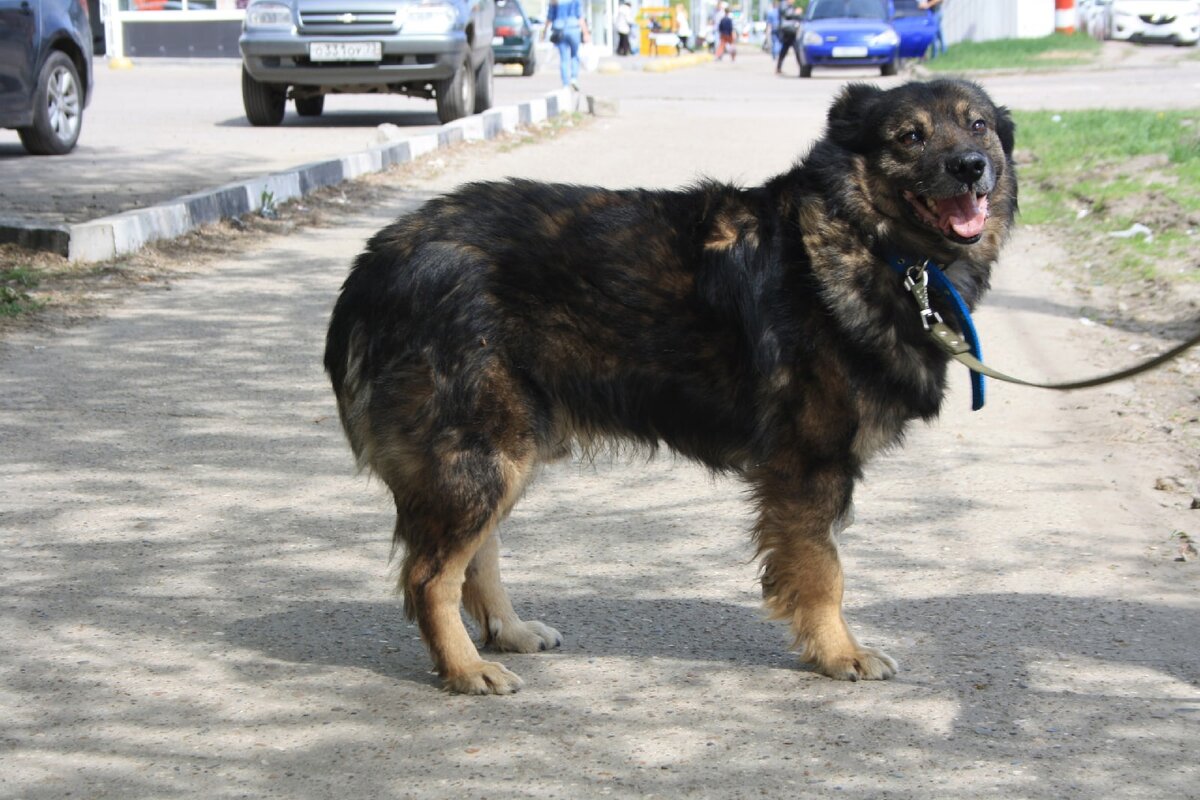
x=486, y=677
x=862, y=664
x=524, y=637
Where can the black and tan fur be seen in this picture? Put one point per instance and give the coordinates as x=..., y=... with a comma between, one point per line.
x=757, y=331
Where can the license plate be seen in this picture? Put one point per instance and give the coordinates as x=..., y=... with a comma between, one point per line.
x=346, y=51
x=849, y=52
x=497, y=40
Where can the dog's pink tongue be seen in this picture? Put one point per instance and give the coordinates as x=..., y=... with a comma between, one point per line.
x=965, y=214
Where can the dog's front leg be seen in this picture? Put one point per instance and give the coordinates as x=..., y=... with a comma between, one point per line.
x=801, y=574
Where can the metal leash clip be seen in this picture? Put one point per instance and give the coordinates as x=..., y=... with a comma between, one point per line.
x=916, y=280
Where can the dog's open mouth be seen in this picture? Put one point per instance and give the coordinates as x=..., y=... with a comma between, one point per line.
x=960, y=217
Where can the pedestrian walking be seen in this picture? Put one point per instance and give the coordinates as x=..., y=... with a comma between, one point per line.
x=714, y=22
x=726, y=40
x=567, y=29
x=789, y=38
x=624, y=26
x=773, y=17
x=683, y=27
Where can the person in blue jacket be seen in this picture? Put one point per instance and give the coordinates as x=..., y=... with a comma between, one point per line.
x=569, y=29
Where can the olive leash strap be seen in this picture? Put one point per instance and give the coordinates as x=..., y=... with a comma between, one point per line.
x=922, y=276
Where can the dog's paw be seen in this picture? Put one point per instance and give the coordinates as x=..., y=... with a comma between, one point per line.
x=486, y=677
x=524, y=637
x=862, y=664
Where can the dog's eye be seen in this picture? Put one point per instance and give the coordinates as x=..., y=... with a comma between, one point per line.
x=912, y=138
x=979, y=126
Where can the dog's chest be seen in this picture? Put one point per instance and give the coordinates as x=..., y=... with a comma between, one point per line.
x=879, y=428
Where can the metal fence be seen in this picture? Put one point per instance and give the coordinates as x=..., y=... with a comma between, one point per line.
x=982, y=20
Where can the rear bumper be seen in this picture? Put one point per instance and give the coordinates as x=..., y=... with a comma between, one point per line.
x=513, y=53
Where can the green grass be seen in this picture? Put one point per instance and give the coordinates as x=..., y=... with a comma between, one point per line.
x=1093, y=173
x=1056, y=50
x=14, y=296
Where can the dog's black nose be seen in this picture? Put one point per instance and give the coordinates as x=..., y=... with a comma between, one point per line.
x=967, y=167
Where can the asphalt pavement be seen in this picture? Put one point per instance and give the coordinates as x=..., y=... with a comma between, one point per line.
x=196, y=600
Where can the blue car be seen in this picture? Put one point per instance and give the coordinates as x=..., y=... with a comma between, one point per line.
x=45, y=72
x=849, y=33
x=917, y=27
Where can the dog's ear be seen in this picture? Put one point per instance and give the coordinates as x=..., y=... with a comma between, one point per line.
x=1006, y=129
x=848, y=114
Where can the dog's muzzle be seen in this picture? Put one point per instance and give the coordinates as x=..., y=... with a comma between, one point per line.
x=958, y=204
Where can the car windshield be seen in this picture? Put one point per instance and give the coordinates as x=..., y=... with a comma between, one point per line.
x=507, y=10
x=847, y=9
x=909, y=8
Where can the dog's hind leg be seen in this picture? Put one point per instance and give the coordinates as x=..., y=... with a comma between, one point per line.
x=486, y=601
x=444, y=529
x=802, y=576
x=432, y=583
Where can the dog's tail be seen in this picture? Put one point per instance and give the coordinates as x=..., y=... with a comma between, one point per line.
x=346, y=360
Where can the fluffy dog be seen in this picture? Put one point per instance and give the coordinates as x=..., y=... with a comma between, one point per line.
x=760, y=332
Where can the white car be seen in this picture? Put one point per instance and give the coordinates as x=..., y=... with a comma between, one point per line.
x=1174, y=21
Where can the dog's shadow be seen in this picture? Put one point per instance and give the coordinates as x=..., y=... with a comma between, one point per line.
x=376, y=636
x=992, y=632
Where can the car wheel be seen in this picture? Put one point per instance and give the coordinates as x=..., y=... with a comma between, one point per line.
x=890, y=68
x=484, y=79
x=529, y=65
x=310, y=106
x=57, y=109
x=264, y=102
x=806, y=70
x=456, y=95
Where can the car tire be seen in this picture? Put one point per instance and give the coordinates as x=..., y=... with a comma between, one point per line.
x=456, y=95
x=529, y=66
x=57, y=109
x=485, y=84
x=310, y=106
x=264, y=102
x=890, y=68
x=806, y=70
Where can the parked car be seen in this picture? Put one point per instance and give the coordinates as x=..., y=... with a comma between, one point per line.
x=1090, y=17
x=45, y=72
x=848, y=33
x=514, y=39
x=1171, y=21
x=305, y=49
x=917, y=28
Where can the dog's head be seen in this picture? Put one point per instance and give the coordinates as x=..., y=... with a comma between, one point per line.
x=934, y=160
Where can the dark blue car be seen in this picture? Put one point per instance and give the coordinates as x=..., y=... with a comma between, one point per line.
x=45, y=72
x=916, y=26
x=849, y=33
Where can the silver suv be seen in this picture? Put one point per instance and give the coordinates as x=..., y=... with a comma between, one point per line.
x=306, y=49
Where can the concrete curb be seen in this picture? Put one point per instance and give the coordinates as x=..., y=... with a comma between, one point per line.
x=108, y=237
x=657, y=64
x=679, y=62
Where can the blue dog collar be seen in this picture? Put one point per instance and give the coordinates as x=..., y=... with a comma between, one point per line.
x=958, y=307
